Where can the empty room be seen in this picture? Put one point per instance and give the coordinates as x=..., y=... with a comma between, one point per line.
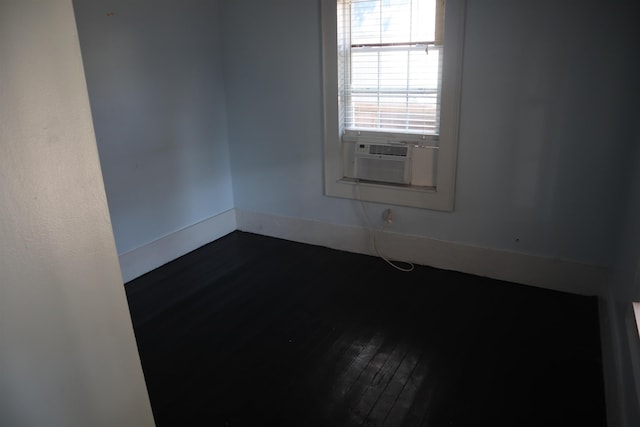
x=319, y=213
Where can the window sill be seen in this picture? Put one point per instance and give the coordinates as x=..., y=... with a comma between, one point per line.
x=354, y=181
x=401, y=195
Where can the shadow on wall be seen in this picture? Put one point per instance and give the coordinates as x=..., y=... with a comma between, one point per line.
x=155, y=85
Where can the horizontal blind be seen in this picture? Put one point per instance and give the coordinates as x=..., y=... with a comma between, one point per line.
x=392, y=72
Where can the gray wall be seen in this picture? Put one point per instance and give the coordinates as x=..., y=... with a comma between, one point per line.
x=625, y=288
x=157, y=97
x=68, y=356
x=544, y=132
x=625, y=271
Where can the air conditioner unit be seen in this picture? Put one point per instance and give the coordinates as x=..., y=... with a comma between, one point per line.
x=390, y=163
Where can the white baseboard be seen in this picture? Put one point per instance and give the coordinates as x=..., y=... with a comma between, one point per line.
x=634, y=356
x=621, y=362
x=561, y=275
x=141, y=260
x=611, y=364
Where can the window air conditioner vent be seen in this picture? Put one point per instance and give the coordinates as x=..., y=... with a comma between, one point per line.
x=388, y=150
x=383, y=163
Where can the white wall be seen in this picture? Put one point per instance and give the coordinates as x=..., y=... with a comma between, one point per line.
x=157, y=97
x=544, y=126
x=68, y=356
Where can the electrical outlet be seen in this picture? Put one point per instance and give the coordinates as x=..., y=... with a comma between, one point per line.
x=387, y=216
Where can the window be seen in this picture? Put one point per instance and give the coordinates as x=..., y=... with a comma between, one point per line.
x=389, y=65
x=392, y=78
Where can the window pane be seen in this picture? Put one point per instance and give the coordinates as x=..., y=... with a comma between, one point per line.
x=393, y=79
x=386, y=21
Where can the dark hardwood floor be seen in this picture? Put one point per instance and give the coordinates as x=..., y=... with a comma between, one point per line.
x=251, y=330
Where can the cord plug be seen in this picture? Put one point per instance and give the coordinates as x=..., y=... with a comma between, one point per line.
x=387, y=216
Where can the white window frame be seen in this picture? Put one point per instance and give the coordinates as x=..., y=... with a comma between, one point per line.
x=440, y=197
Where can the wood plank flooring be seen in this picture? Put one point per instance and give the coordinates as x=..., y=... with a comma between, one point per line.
x=251, y=330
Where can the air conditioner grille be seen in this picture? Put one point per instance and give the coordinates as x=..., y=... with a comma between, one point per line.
x=383, y=170
x=388, y=150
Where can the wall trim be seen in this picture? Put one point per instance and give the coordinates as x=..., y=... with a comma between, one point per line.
x=611, y=364
x=148, y=257
x=633, y=331
x=620, y=354
x=560, y=275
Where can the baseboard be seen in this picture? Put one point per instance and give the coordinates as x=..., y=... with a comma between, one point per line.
x=621, y=362
x=561, y=275
x=611, y=364
x=633, y=341
x=141, y=260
